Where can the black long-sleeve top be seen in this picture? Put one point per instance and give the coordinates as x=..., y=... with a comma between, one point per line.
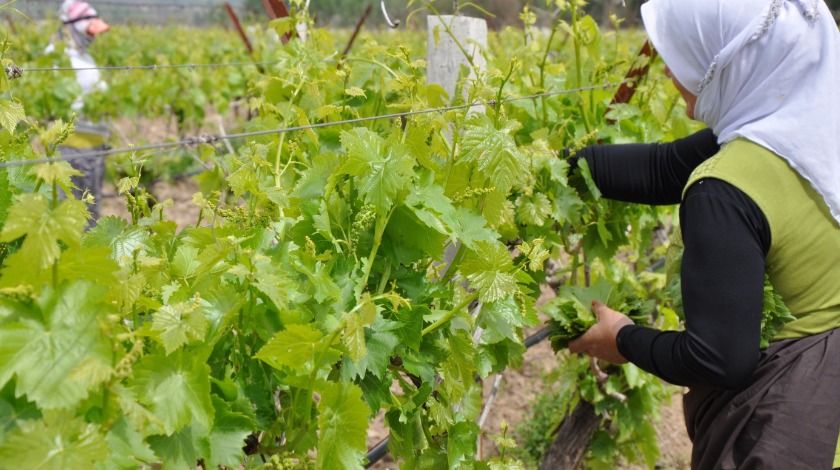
x=726, y=238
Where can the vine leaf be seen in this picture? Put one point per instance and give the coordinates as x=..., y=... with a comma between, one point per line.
x=44, y=227
x=176, y=388
x=10, y=114
x=461, y=442
x=115, y=233
x=52, y=360
x=296, y=348
x=494, y=151
x=488, y=270
x=59, y=440
x=227, y=438
x=343, y=424
x=501, y=321
x=185, y=263
x=59, y=172
x=384, y=168
x=5, y=195
x=93, y=264
x=354, y=337
x=380, y=341
x=182, y=449
x=179, y=324
x=127, y=446
x=534, y=209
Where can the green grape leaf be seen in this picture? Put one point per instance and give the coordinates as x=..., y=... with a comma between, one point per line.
x=58, y=441
x=115, y=233
x=342, y=425
x=227, y=438
x=182, y=449
x=13, y=338
x=774, y=313
x=179, y=324
x=127, y=446
x=416, y=143
x=429, y=195
x=376, y=391
x=583, y=169
x=411, y=325
x=176, y=389
x=383, y=167
x=566, y=205
x=354, y=337
x=406, y=438
x=537, y=255
x=534, y=209
x=415, y=239
x=500, y=320
x=45, y=228
x=380, y=341
x=10, y=114
x=296, y=348
x=472, y=229
x=56, y=172
x=269, y=280
x=53, y=361
x=184, y=263
x=494, y=151
x=313, y=181
x=92, y=264
x=461, y=443
x=458, y=368
x=488, y=269
x=497, y=209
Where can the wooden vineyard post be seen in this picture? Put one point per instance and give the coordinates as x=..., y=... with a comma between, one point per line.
x=637, y=72
x=355, y=33
x=277, y=9
x=239, y=29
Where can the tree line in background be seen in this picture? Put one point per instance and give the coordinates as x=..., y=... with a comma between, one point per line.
x=501, y=12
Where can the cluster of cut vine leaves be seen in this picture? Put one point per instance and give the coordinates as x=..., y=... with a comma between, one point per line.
x=311, y=295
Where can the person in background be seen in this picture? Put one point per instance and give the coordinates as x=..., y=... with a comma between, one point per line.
x=759, y=194
x=80, y=27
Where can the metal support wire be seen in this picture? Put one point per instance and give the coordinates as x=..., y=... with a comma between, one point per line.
x=391, y=24
x=209, y=139
x=143, y=5
x=144, y=67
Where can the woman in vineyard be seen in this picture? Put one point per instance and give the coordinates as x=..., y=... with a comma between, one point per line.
x=80, y=26
x=763, y=75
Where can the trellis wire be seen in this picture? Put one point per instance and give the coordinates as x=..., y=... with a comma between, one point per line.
x=178, y=6
x=144, y=67
x=209, y=139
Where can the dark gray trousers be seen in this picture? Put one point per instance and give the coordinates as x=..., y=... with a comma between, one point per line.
x=92, y=177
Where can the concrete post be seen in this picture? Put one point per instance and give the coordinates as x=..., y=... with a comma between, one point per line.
x=444, y=57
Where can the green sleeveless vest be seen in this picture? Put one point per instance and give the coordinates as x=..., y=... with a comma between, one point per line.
x=803, y=262
x=804, y=258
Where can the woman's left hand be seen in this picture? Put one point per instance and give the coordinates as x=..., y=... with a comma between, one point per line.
x=600, y=340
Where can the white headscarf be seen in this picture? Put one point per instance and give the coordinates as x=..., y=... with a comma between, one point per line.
x=764, y=70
